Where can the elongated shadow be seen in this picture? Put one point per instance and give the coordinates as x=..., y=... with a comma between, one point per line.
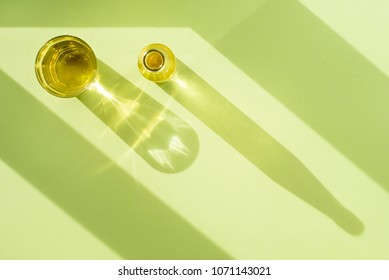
x=321, y=78
x=161, y=138
x=256, y=145
x=81, y=180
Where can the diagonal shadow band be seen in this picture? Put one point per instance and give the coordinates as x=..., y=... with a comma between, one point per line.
x=84, y=182
x=320, y=77
x=161, y=138
x=256, y=145
x=283, y=47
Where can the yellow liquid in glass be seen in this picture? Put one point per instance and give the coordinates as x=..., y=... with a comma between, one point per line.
x=65, y=66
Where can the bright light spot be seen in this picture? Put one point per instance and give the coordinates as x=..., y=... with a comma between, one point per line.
x=176, y=145
x=181, y=83
x=162, y=157
x=101, y=90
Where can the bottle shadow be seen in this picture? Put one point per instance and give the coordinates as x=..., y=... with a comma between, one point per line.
x=162, y=139
x=256, y=145
x=320, y=77
x=88, y=186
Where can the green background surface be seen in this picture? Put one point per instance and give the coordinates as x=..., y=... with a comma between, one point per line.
x=271, y=142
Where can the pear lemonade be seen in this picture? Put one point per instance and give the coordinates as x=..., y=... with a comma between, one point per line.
x=66, y=66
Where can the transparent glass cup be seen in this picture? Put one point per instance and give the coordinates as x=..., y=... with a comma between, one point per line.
x=66, y=66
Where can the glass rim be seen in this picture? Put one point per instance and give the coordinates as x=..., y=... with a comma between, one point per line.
x=43, y=51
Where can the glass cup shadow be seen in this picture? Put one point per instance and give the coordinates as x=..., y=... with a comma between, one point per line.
x=256, y=145
x=161, y=138
x=88, y=186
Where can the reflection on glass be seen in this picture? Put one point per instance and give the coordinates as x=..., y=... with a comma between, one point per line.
x=161, y=138
x=256, y=145
x=65, y=66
